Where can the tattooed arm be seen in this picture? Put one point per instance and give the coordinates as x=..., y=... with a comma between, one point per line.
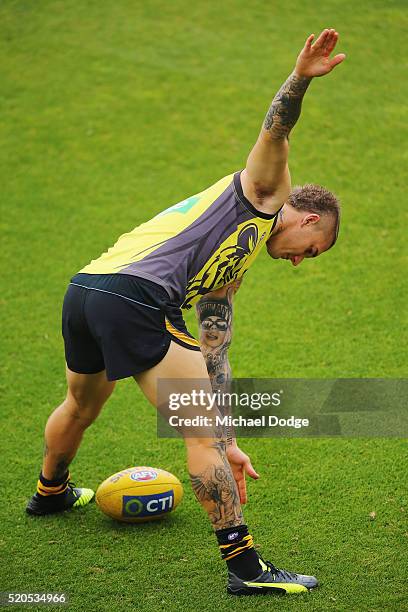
x=266, y=178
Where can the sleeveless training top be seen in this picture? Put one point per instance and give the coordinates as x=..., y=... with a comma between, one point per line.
x=199, y=245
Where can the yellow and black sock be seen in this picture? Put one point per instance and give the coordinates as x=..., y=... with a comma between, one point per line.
x=52, y=487
x=237, y=549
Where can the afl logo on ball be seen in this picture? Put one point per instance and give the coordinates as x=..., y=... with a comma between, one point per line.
x=143, y=475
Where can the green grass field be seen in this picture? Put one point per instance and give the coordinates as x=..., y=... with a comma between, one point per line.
x=112, y=111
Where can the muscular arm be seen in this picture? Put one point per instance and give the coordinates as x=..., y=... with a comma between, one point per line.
x=266, y=178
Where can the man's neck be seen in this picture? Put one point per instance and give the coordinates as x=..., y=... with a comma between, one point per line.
x=281, y=222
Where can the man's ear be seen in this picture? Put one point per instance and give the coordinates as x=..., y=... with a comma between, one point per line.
x=310, y=219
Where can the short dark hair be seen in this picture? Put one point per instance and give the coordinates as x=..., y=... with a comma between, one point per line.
x=318, y=200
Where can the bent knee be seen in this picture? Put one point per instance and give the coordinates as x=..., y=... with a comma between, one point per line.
x=83, y=407
x=87, y=393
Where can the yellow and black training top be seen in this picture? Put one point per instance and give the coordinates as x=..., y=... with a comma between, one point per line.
x=199, y=245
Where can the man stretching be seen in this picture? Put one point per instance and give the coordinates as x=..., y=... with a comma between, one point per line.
x=122, y=317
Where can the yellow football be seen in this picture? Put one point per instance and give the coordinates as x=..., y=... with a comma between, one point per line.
x=139, y=494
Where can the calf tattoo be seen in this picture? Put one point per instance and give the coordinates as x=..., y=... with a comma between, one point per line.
x=216, y=490
x=61, y=467
x=286, y=106
x=62, y=464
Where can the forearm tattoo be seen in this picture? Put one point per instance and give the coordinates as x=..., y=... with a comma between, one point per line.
x=215, y=321
x=286, y=106
x=216, y=490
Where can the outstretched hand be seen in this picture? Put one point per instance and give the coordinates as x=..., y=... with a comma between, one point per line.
x=314, y=60
x=240, y=465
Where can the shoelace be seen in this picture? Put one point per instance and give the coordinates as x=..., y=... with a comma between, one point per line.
x=72, y=486
x=279, y=573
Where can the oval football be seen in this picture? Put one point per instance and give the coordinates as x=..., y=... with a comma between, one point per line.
x=139, y=494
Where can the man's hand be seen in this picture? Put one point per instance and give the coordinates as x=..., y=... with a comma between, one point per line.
x=314, y=59
x=240, y=465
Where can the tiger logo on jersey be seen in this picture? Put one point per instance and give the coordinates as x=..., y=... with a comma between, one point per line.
x=225, y=267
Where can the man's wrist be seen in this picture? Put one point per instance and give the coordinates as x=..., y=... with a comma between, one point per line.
x=298, y=74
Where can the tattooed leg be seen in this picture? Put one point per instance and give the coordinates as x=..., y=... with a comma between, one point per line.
x=214, y=312
x=63, y=435
x=66, y=426
x=61, y=465
x=210, y=471
x=213, y=482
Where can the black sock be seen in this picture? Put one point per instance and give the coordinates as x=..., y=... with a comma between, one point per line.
x=52, y=487
x=237, y=549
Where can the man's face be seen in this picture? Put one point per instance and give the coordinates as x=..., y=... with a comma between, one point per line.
x=306, y=238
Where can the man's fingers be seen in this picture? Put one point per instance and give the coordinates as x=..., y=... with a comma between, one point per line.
x=242, y=491
x=309, y=41
x=250, y=470
x=337, y=59
x=321, y=40
x=331, y=42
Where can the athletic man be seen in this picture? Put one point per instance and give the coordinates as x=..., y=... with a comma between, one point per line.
x=122, y=317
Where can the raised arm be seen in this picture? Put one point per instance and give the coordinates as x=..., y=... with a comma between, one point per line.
x=266, y=178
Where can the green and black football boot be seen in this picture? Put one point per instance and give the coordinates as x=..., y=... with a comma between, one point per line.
x=73, y=497
x=271, y=581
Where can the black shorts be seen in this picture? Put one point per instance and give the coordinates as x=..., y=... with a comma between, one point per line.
x=119, y=323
